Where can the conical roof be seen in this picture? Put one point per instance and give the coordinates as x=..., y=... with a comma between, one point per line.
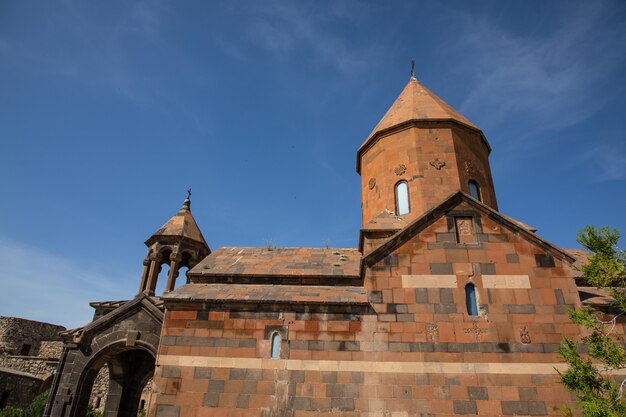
x=416, y=103
x=182, y=224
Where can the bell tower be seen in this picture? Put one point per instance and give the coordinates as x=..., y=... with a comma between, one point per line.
x=178, y=243
x=421, y=151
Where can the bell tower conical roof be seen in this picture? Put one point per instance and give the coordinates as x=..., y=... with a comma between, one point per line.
x=420, y=152
x=416, y=103
x=181, y=225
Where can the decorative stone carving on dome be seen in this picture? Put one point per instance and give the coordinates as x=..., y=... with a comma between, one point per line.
x=372, y=183
x=400, y=169
x=437, y=164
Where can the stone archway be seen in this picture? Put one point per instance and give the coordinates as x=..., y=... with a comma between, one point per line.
x=127, y=340
x=130, y=368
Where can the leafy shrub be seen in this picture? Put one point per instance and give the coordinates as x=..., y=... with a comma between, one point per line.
x=11, y=412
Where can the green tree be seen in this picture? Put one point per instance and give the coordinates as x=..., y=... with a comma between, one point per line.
x=37, y=406
x=589, y=377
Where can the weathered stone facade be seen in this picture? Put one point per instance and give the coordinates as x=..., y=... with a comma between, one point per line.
x=17, y=389
x=447, y=307
x=29, y=354
x=24, y=337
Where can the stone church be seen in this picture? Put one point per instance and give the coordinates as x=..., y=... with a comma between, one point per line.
x=447, y=307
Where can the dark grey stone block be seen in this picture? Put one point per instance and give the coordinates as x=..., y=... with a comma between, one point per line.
x=544, y=260
x=441, y=268
x=446, y=296
x=342, y=404
x=527, y=393
x=478, y=393
x=558, y=293
x=302, y=403
x=170, y=371
x=167, y=411
x=202, y=373
x=537, y=408
x=296, y=376
x=512, y=258
x=421, y=295
x=519, y=308
x=445, y=308
x=243, y=401
x=329, y=377
x=512, y=408
x=247, y=343
x=211, y=399
x=216, y=386
x=487, y=269
x=464, y=407
x=358, y=377
x=452, y=381
x=445, y=237
x=236, y=374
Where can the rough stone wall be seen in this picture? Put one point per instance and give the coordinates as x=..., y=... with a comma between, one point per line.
x=39, y=367
x=16, y=332
x=417, y=352
x=50, y=349
x=16, y=389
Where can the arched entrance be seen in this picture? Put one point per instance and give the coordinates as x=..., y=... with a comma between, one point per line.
x=130, y=368
x=125, y=341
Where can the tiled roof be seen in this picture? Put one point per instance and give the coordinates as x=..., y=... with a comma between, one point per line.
x=581, y=257
x=182, y=224
x=416, y=102
x=276, y=262
x=250, y=293
x=386, y=220
x=596, y=297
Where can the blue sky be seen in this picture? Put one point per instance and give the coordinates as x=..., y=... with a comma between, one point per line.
x=109, y=111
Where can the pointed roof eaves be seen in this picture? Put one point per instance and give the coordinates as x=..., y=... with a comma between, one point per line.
x=181, y=225
x=424, y=107
x=421, y=223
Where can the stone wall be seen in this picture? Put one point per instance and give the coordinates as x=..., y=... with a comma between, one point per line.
x=17, y=389
x=417, y=350
x=50, y=349
x=17, y=334
x=39, y=367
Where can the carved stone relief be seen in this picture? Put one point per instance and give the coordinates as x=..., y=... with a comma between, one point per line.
x=524, y=335
x=400, y=169
x=469, y=168
x=437, y=164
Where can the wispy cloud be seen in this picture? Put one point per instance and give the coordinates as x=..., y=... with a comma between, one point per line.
x=549, y=80
x=75, y=44
x=604, y=163
x=287, y=28
x=40, y=286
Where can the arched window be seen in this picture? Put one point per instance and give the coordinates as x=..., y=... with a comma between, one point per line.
x=474, y=190
x=402, y=198
x=275, y=346
x=470, y=300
